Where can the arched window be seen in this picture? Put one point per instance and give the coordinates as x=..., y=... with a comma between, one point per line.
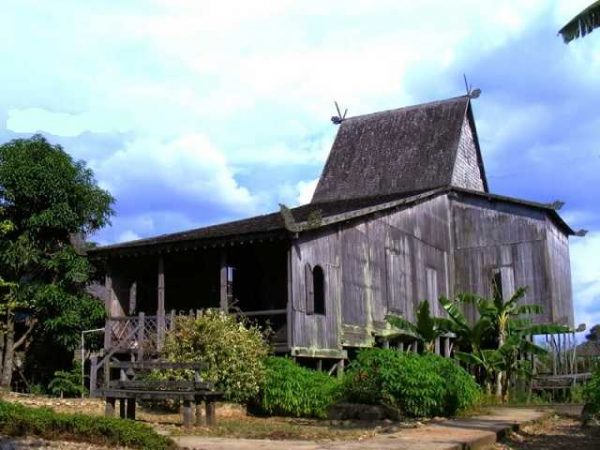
x=315, y=290
x=319, y=290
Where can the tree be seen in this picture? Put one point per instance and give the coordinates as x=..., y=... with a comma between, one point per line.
x=594, y=334
x=48, y=202
x=583, y=23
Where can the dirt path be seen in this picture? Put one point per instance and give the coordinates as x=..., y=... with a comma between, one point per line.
x=554, y=433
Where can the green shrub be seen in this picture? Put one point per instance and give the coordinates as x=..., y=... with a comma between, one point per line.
x=18, y=420
x=420, y=386
x=67, y=383
x=291, y=390
x=232, y=352
x=591, y=394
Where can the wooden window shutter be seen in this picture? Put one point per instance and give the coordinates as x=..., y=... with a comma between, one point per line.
x=309, y=285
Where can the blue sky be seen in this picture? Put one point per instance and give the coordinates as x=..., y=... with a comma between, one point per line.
x=192, y=112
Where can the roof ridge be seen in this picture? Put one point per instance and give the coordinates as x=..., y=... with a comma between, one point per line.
x=432, y=103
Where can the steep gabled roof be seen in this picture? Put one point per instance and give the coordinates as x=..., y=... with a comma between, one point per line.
x=395, y=151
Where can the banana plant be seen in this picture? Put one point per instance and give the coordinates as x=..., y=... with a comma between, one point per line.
x=583, y=23
x=426, y=329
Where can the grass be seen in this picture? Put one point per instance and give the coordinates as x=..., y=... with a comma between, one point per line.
x=19, y=420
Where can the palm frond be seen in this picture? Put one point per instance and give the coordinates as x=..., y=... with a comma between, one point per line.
x=583, y=23
x=546, y=328
x=404, y=326
x=529, y=309
x=454, y=312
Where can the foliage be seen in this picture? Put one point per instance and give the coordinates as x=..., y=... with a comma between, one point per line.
x=594, y=334
x=67, y=383
x=420, y=386
x=232, y=351
x=48, y=204
x=291, y=390
x=493, y=344
x=583, y=23
x=591, y=393
x=426, y=329
x=18, y=420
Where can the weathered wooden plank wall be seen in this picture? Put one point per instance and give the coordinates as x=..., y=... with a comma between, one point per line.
x=380, y=264
x=557, y=248
x=391, y=261
x=491, y=236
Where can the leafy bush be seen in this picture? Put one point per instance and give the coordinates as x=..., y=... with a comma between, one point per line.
x=232, y=352
x=67, y=383
x=18, y=420
x=591, y=394
x=291, y=390
x=420, y=386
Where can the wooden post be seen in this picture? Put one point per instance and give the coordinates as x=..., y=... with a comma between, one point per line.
x=401, y=346
x=93, y=375
x=187, y=414
x=224, y=301
x=160, y=311
x=436, y=345
x=172, y=321
x=133, y=298
x=108, y=305
x=340, y=368
x=141, y=337
x=385, y=344
x=447, y=347
x=211, y=417
x=131, y=408
x=122, y=410
x=415, y=346
x=109, y=407
x=200, y=420
x=319, y=365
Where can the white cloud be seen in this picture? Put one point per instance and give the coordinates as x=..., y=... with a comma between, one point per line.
x=188, y=169
x=306, y=189
x=128, y=235
x=586, y=278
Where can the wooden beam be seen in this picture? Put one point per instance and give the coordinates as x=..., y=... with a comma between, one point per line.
x=224, y=301
x=160, y=310
x=108, y=305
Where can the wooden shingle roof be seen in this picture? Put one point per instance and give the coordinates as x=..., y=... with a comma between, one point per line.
x=307, y=217
x=400, y=150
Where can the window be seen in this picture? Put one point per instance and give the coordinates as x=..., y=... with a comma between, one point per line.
x=503, y=282
x=315, y=290
x=497, y=285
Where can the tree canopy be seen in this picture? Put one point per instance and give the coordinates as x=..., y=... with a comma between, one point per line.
x=49, y=203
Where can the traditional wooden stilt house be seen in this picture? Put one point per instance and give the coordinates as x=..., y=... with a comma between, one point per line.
x=402, y=212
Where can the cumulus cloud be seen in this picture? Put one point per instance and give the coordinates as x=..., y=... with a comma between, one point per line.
x=198, y=112
x=586, y=278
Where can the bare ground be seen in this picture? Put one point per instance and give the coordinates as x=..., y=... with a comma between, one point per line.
x=554, y=433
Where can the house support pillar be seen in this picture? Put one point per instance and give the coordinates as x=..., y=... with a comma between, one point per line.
x=160, y=310
x=224, y=300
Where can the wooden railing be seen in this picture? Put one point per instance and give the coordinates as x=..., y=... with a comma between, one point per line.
x=137, y=334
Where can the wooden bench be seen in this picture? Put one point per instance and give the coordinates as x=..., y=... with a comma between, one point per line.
x=131, y=387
